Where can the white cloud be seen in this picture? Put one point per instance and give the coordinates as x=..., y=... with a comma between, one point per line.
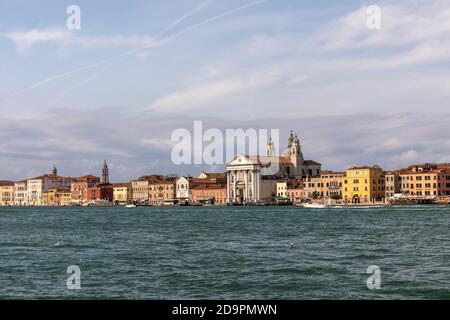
x=26, y=40
x=410, y=155
x=401, y=25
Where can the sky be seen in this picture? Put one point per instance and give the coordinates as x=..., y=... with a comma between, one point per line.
x=136, y=70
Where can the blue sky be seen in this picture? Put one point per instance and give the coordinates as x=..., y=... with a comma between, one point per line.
x=77, y=97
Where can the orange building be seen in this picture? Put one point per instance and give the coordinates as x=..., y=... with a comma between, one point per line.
x=425, y=180
x=79, y=189
x=332, y=184
x=215, y=194
x=162, y=191
x=57, y=197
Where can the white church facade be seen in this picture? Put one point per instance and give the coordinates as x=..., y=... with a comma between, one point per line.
x=253, y=179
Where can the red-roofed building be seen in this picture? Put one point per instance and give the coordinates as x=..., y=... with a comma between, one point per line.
x=79, y=188
x=215, y=194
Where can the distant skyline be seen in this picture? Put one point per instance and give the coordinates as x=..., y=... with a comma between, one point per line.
x=354, y=95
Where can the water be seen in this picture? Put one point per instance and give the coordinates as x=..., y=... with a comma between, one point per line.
x=225, y=253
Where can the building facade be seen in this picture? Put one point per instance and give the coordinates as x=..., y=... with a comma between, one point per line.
x=79, y=188
x=313, y=187
x=161, y=191
x=392, y=182
x=296, y=192
x=139, y=191
x=364, y=185
x=100, y=192
x=214, y=194
x=182, y=189
x=20, y=193
x=122, y=193
x=427, y=180
x=332, y=184
x=6, y=193
x=57, y=197
x=37, y=186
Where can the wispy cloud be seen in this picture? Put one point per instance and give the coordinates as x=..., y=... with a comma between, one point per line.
x=144, y=43
x=27, y=39
x=199, y=96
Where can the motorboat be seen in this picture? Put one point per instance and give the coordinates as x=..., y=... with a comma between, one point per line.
x=314, y=206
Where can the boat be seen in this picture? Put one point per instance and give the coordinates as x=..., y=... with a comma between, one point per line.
x=130, y=206
x=314, y=206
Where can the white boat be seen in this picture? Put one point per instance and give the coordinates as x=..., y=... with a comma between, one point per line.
x=314, y=206
x=130, y=206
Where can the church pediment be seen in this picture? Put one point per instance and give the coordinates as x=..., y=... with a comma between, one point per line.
x=241, y=160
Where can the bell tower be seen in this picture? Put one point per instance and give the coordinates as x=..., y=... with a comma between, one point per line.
x=105, y=173
x=296, y=155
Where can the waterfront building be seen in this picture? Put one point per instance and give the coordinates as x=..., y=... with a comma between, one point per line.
x=139, y=191
x=182, y=189
x=57, y=197
x=183, y=185
x=20, y=193
x=37, y=186
x=363, y=185
x=331, y=183
x=6, y=193
x=246, y=182
x=64, y=197
x=425, y=180
x=393, y=184
x=161, y=191
x=313, y=187
x=214, y=194
x=122, y=193
x=100, y=192
x=282, y=188
x=79, y=188
x=253, y=179
x=289, y=191
x=296, y=191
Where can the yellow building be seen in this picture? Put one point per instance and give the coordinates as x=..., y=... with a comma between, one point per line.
x=363, y=185
x=57, y=197
x=65, y=197
x=122, y=193
x=6, y=193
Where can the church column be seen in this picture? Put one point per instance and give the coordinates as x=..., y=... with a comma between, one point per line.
x=234, y=185
x=228, y=186
x=246, y=185
x=257, y=185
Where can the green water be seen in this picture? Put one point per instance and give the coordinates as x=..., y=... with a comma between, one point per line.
x=225, y=253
